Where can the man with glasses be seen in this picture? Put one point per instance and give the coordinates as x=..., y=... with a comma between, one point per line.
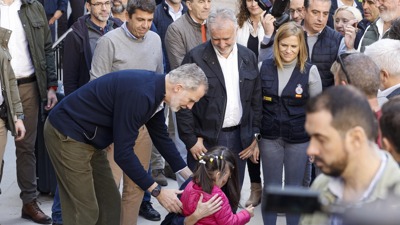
x=297, y=11
x=389, y=10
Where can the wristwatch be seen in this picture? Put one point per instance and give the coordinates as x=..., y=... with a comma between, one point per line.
x=156, y=191
x=22, y=117
x=257, y=136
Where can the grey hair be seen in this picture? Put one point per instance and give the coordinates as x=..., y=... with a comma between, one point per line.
x=394, y=31
x=308, y=2
x=363, y=73
x=190, y=76
x=218, y=16
x=386, y=53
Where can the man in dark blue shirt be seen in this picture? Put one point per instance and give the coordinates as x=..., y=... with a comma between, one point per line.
x=112, y=109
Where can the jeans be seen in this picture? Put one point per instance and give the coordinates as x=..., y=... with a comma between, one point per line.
x=56, y=215
x=275, y=154
x=228, y=139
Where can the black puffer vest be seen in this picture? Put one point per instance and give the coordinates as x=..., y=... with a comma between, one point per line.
x=325, y=53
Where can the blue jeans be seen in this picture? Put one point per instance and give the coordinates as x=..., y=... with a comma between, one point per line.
x=233, y=142
x=275, y=154
x=56, y=208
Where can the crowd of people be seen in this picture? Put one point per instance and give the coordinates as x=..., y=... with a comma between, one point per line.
x=171, y=88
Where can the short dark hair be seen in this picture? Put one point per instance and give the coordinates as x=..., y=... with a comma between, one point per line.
x=89, y=1
x=363, y=73
x=349, y=108
x=390, y=122
x=307, y=2
x=144, y=5
x=394, y=31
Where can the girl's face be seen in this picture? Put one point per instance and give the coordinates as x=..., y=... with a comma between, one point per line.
x=219, y=180
x=343, y=17
x=253, y=8
x=289, y=48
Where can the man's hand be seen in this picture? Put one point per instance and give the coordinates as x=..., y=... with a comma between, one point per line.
x=168, y=199
x=256, y=155
x=51, y=99
x=198, y=149
x=350, y=34
x=55, y=17
x=20, y=129
x=268, y=23
x=248, y=151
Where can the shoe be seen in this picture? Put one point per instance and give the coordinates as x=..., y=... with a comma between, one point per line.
x=169, y=172
x=148, y=212
x=159, y=176
x=255, y=195
x=32, y=211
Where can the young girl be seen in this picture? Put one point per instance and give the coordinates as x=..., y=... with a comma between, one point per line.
x=216, y=169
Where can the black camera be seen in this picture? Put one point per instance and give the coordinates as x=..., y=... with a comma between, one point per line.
x=277, y=10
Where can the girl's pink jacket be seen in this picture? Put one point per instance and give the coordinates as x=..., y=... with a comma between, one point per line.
x=191, y=196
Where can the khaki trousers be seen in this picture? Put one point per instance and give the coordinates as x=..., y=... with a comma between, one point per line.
x=88, y=193
x=25, y=148
x=132, y=194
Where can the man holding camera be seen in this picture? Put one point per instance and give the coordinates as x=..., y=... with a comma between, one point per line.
x=323, y=43
x=343, y=131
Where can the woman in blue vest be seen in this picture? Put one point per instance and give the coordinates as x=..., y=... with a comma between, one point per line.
x=287, y=82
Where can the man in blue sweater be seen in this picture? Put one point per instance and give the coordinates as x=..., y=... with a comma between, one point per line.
x=112, y=109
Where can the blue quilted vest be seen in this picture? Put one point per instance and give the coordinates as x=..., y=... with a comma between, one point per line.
x=284, y=116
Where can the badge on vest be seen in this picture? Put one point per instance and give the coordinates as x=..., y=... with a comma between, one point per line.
x=267, y=98
x=299, y=91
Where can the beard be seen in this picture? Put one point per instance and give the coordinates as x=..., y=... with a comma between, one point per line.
x=118, y=9
x=388, y=16
x=336, y=168
x=174, y=105
x=102, y=18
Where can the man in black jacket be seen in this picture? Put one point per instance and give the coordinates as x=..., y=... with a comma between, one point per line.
x=230, y=113
x=81, y=41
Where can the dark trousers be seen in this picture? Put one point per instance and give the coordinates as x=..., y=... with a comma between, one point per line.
x=227, y=139
x=25, y=149
x=78, y=8
x=254, y=171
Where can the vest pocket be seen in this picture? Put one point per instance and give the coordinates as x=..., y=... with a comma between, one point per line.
x=266, y=81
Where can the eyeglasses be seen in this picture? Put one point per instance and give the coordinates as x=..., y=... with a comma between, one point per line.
x=99, y=4
x=299, y=11
x=340, y=59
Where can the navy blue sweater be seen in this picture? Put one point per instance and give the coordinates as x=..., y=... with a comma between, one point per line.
x=111, y=109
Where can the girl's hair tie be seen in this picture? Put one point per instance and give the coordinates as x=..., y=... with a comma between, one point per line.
x=202, y=161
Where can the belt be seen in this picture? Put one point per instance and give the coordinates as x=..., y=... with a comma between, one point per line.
x=230, y=129
x=26, y=80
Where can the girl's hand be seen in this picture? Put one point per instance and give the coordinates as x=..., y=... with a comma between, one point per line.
x=250, y=209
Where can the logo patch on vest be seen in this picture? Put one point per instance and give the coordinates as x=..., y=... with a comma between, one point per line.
x=299, y=91
x=267, y=98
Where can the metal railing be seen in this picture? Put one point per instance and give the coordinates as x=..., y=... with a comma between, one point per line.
x=58, y=48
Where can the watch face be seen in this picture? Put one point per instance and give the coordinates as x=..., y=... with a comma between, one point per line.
x=155, y=192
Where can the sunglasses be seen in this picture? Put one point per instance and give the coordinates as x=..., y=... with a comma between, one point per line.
x=340, y=59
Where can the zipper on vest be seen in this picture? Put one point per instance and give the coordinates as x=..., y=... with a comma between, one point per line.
x=280, y=119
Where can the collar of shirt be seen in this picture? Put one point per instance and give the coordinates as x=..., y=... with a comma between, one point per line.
x=340, y=4
x=129, y=33
x=387, y=92
x=232, y=54
x=317, y=34
x=251, y=28
x=171, y=11
x=100, y=29
x=336, y=184
x=204, y=22
x=379, y=25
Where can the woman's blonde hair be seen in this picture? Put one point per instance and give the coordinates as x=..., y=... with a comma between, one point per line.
x=287, y=30
x=356, y=13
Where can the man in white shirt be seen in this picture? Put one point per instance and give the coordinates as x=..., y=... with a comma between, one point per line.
x=230, y=113
x=32, y=60
x=386, y=54
x=343, y=131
